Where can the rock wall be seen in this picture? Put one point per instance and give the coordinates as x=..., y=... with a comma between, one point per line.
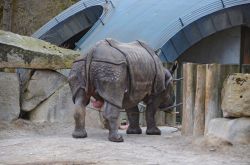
x=234, y=128
x=9, y=96
x=233, y=131
x=41, y=86
x=236, y=96
x=17, y=51
x=47, y=98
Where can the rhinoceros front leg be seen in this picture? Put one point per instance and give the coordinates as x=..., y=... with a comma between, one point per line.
x=79, y=116
x=152, y=129
x=133, y=118
x=111, y=113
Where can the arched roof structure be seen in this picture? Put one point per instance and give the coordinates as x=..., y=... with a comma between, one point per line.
x=168, y=26
x=73, y=22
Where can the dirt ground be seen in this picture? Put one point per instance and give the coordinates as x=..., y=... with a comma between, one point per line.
x=23, y=142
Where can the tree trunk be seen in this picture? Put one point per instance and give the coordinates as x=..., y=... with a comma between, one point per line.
x=212, y=109
x=199, y=108
x=189, y=74
x=7, y=14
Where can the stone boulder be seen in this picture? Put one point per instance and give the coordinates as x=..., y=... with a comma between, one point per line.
x=18, y=51
x=236, y=96
x=42, y=85
x=9, y=96
x=59, y=107
x=234, y=131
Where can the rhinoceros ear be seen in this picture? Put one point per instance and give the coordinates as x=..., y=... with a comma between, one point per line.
x=174, y=67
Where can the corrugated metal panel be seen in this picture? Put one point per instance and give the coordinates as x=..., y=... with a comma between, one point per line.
x=101, y=22
x=171, y=17
x=230, y=3
x=200, y=10
x=79, y=6
x=193, y=33
x=206, y=26
x=171, y=27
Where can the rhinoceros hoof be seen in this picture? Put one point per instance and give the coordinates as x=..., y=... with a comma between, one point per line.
x=134, y=130
x=153, y=131
x=79, y=134
x=115, y=138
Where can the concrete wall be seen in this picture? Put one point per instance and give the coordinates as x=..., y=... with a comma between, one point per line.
x=222, y=47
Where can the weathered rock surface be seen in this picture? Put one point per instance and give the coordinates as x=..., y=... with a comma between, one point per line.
x=236, y=96
x=59, y=107
x=18, y=51
x=42, y=85
x=231, y=130
x=9, y=96
x=64, y=72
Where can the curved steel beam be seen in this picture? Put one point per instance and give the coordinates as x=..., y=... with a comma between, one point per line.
x=192, y=33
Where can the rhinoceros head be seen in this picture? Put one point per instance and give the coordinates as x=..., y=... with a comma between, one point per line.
x=167, y=97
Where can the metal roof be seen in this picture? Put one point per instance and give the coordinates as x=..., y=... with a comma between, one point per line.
x=68, y=26
x=71, y=11
x=170, y=26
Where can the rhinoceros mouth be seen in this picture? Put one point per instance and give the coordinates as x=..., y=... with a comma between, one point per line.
x=164, y=106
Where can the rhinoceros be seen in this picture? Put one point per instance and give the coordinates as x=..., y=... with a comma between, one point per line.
x=120, y=75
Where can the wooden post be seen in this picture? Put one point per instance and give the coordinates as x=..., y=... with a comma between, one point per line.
x=160, y=118
x=170, y=118
x=212, y=93
x=142, y=119
x=246, y=68
x=189, y=74
x=199, y=108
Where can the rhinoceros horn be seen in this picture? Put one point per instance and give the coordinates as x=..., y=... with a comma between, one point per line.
x=174, y=67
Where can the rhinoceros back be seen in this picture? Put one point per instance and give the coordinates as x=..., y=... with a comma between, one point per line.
x=131, y=68
x=117, y=69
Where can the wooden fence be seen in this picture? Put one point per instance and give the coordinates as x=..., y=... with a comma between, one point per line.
x=202, y=85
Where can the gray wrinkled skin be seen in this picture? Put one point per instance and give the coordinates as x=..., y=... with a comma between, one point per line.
x=121, y=75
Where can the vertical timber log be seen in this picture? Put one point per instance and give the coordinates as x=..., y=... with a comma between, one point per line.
x=189, y=74
x=212, y=93
x=199, y=107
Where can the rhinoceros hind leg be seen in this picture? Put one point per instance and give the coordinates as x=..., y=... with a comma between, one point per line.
x=79, y=116
x=150, y=119
x=111, y=113
x=133, y=118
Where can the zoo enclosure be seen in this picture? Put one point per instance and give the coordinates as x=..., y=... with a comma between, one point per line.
x=201, y=93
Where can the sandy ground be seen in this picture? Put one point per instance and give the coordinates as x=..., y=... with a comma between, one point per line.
x=23, y=142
